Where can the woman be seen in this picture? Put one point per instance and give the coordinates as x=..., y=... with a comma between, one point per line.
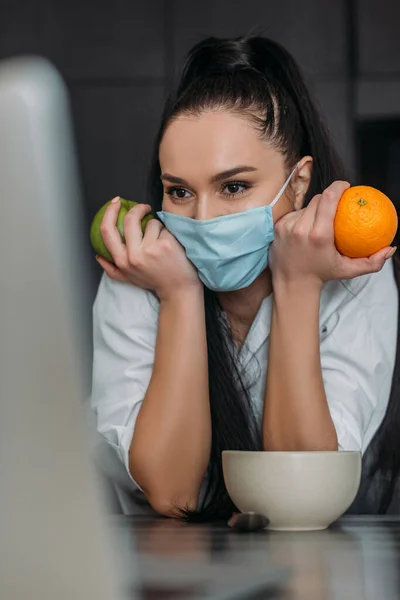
x=206, y=336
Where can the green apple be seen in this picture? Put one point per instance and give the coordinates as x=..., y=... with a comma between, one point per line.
x=95, y=235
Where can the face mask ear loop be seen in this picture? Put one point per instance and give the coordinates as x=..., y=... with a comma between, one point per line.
x=284, y=187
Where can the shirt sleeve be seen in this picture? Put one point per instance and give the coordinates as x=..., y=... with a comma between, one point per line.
x=125, y=322
x=357, y=360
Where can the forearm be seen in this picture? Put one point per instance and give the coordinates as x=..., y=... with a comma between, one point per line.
x=171, y=446
x=296, y=412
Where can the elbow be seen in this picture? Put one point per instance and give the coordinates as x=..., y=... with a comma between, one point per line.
x=167, y=498
x=163, y=505
x=332, y=445
x=169, y=504
x=301, y=444
x=308, y=435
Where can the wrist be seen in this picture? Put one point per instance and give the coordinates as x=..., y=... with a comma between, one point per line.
x=297, y=300
x=305, y=286
x=182, y=295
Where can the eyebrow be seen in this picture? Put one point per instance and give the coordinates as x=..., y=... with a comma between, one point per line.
x=214, y=178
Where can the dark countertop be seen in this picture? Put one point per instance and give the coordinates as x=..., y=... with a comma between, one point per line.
x=357, y=558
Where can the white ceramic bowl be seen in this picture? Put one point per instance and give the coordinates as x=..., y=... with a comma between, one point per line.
x=297, y=491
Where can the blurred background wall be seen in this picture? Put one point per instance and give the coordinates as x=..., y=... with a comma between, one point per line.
x=119, y=58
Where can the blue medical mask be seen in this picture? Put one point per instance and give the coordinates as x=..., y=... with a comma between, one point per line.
x=229, y=252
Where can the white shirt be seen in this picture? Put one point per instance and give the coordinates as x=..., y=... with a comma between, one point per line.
x=358, y=324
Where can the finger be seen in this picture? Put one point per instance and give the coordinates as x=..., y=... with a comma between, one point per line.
x=328, y=205
x=152, y=232
x=309, y=213
x=166, y=234
x=111, y=270
x=286, y=223
x=110, y=234
x=133, y=225
x=355, y=267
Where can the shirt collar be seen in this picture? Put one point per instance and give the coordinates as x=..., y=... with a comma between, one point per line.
x=258, y=333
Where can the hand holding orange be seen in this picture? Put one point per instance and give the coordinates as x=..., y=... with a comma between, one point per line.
x=365, y=222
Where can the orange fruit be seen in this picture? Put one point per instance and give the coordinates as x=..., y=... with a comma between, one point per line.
x=365, y=222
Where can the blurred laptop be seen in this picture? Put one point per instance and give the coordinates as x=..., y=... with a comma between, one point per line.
x=53, y=539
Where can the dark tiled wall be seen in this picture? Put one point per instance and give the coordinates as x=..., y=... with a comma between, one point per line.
x=378, y=45
x=379, y=37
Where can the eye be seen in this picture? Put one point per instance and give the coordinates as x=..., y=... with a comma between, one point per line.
x=177, y=193
x=235, y=188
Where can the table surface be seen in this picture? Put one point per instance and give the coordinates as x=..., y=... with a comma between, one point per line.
x=357, y=558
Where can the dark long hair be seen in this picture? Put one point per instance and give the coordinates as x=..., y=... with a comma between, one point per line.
x=259, y=79
x=381, y=462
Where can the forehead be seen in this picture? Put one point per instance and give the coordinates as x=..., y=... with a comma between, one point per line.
x=213, y=142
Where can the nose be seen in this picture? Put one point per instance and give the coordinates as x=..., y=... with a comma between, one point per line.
x=206, y=209
x=201, y=214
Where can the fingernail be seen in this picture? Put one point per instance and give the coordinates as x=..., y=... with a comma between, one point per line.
x=115, y=200
x=97, y=257
x=391, y=252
